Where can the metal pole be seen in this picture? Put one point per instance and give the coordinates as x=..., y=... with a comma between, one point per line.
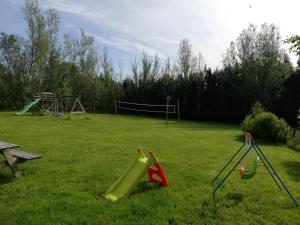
x=228, y=174
x=271, y=173
x=235, y=154
x=285, y=188
x=167, y=112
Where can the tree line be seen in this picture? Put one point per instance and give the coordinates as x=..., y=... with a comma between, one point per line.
x=255, y=67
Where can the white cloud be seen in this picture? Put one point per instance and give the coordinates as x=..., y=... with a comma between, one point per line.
x=123, y=44
x=81, y=10
x=157, y=26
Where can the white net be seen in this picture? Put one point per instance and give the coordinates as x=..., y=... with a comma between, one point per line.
x=147, y=108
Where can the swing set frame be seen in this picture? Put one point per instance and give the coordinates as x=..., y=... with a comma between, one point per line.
x=77, y=109
x=251, y=145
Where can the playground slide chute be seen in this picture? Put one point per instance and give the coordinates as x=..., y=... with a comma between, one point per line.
x=27, y=107
x=124, y=185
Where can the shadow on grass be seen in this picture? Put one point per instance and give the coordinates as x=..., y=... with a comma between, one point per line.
x=4, y=179
x=293, y=169
x=145, y=187
x=209, y=210
x=235, y=197
x=231, y=199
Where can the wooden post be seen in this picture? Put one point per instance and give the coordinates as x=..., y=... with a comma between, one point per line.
x=116, y=107
x=178, y=110
x=167, y=111
x=94, y=107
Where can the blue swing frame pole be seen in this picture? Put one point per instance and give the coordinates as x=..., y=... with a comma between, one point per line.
x=221, y=171
x=267, y=167
x=228, y=174
x=278, y=177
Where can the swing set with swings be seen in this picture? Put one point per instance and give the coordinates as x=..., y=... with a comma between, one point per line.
x=248, y=171
x=77, y=109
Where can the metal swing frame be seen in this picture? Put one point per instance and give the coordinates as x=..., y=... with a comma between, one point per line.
x=250, y=144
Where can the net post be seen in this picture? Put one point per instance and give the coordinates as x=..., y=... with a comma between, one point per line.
x=167, y=111
x=178, y=110
x=116, y=107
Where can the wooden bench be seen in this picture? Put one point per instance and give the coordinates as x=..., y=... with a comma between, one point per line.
x=13, y=156
x=23, y=156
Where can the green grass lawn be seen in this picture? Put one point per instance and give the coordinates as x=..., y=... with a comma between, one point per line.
x=82, y=158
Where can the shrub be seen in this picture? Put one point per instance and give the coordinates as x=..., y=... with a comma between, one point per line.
x=256, y=109
x=265, y=125
x=294, y=142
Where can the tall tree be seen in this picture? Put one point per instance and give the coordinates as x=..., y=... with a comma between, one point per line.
x=146, y=69
x=155, y=68
x=198, y=64
x=36, y=43
x=13, y=71
x=53, y=80
x=261, y=63
x=107, y=70
x=294, y=40
x=185, y=57
x=69, y=53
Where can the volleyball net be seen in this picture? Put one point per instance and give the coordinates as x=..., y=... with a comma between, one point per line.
x=166, y=109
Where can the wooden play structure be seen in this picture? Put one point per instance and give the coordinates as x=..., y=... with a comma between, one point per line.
x=47, y=102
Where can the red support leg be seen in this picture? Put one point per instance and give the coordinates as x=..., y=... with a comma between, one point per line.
x=158, y=171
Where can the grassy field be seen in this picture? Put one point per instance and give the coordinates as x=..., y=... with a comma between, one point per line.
x=82, y=158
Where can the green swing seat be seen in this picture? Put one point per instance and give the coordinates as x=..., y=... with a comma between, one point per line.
x=249, y=171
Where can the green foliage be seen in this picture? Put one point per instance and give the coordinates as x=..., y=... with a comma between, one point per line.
x=262, y=63
x=185, y=57
x=265, y=125
x=256, y=109
x=294, y=40
x=289, y=102
x=294, y=142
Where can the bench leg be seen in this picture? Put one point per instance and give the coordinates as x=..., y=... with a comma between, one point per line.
x=12, y=163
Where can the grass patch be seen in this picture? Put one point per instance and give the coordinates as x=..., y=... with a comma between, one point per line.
x=82, y=158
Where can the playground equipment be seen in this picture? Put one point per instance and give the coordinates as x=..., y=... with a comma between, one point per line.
x=47, y=101
x=77, y=109
x=27, y=107
x=126, y=183
x=150, y=108
x=249, y=171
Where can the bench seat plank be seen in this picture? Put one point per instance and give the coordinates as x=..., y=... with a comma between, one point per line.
x=24, y=155
x=4, y=145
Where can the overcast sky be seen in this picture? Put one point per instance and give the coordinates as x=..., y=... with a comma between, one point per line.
x=128, y=27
